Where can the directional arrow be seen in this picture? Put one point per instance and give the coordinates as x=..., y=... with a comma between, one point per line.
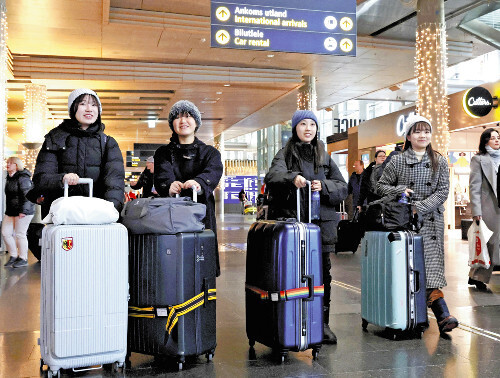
x=346, y=45
x=346, y=23
x=222, y=37
x=223, y=13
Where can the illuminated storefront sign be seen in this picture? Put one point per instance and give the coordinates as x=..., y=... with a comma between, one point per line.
x=313, y=26
x=478, y=102
x=400, y=124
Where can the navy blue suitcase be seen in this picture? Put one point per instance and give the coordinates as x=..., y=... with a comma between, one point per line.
x=284, y=286
x=172, y=311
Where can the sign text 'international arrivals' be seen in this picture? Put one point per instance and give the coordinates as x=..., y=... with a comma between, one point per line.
x=325, y=27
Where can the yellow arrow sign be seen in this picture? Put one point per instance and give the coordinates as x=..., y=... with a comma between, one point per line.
x=222, y=37
x=346, y=23
x=222, y=13
x=346, y=45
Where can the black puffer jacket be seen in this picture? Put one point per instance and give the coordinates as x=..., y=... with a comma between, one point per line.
x=146, y=182
x=16, y=188
x=88, y=153
x=196, y=161
x=283, y=193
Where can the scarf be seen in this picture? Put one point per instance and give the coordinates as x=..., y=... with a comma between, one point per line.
x=495, y=156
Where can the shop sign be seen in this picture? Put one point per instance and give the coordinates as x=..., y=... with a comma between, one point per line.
x=400, y=124
x=477, y=102
x=313, y=26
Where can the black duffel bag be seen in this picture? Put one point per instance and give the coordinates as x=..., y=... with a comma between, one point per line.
x=163, y=215
x=387, y=214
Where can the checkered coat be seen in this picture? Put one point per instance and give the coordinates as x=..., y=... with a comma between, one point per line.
x=430, y=192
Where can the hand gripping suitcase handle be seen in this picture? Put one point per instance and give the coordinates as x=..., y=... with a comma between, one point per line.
x=81, y=181
x=310, y=286
x=308, y=183
x=195, y=194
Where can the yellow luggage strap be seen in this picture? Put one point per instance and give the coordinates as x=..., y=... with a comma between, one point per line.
x=287, y=295
x=172, y=312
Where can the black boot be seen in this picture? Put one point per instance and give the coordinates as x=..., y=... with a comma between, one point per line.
x=481, y=286
x=328, y=335
x=445, y=321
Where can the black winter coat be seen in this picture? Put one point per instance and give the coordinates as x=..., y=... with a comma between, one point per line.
x=368, y=192
x=196, y=161
x=16, y=188
x=88, y=153
x=283, y=194
x=146, y=182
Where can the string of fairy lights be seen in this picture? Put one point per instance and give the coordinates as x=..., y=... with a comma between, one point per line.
x=306, y=98
x=3, y=79
x=35, y=117
x=432, y=96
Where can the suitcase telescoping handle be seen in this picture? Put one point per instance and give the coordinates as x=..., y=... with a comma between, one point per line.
x=308, y=183
x=195, y=194
x=81, y=181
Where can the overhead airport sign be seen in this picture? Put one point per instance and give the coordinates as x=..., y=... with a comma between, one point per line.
x=313, y=26
x=478, y=102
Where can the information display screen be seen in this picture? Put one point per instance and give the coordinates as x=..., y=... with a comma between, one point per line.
x=313, y=26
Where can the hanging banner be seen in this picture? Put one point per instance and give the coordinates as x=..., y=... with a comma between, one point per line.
x=314, y=26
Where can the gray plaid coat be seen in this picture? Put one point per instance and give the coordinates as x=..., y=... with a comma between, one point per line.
x=430, y=192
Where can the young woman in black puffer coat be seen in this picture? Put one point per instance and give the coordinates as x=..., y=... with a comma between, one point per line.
x=186, y=162
x=304, y=158
x=78, y=148
x=18, y=212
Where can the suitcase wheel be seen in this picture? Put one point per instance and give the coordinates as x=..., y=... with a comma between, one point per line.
x=315, y=353
x=41, y=364
x=54, y=373
x=251, y=343
x=115, y=366
x=179, y=365
x=283, y=355
x=364, y=324
x=209, y=356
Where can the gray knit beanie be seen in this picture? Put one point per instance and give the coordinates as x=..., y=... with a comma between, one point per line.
x=78, y=92
x=184, y=106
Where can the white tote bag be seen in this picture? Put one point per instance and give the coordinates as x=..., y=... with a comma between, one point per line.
x=478, y=236
x=81, y=210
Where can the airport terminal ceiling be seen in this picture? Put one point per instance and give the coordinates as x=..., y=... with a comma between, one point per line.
x=143, y=55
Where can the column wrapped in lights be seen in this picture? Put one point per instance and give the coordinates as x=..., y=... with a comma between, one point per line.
x=35, y=117
x=3, y=79
x=306, y=98
x=430, y=66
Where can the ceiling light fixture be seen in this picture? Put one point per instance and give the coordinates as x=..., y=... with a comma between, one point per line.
x=270, y=55
x=219, y=93
x=151, y=123
x=227, y=85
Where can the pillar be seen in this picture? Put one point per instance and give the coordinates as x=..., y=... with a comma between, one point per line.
x=306, y=98
x=430, y=69
x=219, y=145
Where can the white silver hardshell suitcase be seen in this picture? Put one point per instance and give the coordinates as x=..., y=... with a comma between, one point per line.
x=84, y=296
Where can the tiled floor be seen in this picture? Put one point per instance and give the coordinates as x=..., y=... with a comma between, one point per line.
x=473, y=350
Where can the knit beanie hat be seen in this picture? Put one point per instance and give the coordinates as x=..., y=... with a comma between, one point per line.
x=412, y=120
x=78, y=92
x=299, y=115
x=184, y=106
x=150, y=159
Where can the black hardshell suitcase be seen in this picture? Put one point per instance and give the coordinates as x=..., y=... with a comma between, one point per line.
x=172, y=308
x=349, y=235
x=284, y=286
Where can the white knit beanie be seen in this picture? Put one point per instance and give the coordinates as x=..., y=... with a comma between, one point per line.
x=78, y=92
x=413, y=119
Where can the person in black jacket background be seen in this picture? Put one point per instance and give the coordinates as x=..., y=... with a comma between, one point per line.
x=369, y=180
x=304, y=158
x=146, y=180
x=186, y=161
x=18, y=212
x=78, y=148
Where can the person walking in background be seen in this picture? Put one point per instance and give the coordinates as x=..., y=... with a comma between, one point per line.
x=369, y=178
x=186, y=161
x=242, y=197
x=421, y=171
x=18, y=212
x=484, y=191
x=304, y=158
x=354, y=186
x=146, y=180
x=78, y=148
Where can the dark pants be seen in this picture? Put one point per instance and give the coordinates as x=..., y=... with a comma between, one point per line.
x=327, y=280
